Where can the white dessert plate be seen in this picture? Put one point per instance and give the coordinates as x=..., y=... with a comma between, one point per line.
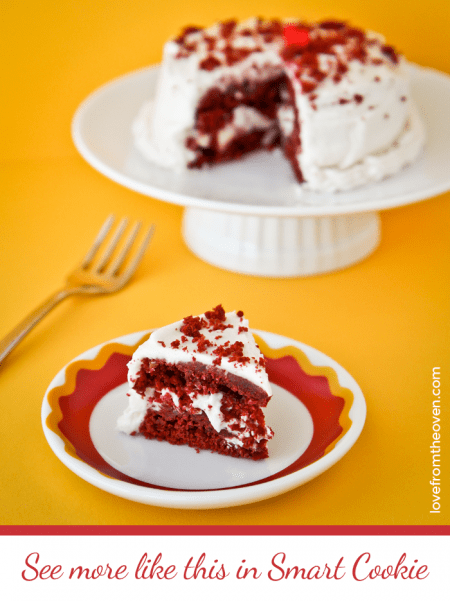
x=261, y=184
x=317, y=412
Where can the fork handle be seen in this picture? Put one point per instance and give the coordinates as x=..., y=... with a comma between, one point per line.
x=26, y=325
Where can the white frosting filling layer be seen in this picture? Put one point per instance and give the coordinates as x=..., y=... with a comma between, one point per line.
x=245, y=119
x=209, y=404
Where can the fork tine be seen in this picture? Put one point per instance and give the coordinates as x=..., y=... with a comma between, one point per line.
x=97, y=242
x=112, y=245
x=117, y=263
x=139, y=254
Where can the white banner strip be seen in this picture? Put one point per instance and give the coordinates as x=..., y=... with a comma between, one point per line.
x=214, y=567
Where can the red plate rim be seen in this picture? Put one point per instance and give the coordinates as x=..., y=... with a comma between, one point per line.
x=88, y=380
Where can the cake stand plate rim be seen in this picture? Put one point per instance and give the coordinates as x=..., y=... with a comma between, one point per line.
x=108, y=162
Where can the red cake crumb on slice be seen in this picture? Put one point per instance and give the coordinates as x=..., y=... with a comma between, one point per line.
x=201, y=382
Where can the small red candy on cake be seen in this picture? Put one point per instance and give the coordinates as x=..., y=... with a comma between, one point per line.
x=294, y=35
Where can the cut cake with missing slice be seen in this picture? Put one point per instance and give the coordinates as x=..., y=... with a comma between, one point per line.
x=335, y=99
x=201, y=382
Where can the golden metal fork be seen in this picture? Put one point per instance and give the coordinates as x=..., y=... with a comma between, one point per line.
x=102, y=276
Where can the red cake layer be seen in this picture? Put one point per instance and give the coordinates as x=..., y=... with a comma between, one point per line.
x=187, y=424
x=291, y=144
x=215, y=111
x=195, y=431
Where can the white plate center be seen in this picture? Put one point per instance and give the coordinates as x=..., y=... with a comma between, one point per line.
x=181, y=467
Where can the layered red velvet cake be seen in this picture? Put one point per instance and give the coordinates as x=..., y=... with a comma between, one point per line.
x=333, y=98
x=201, y=382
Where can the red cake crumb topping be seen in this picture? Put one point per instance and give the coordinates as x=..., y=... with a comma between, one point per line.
x=210, y=63
x=226, y=29
x=390, y=53
x=233, y=351
x=203, y=343
x=357, y=98
x=273, y=27
x=218, y=313
x=298, y=42
x=330, y=24
x=219, y=326
x=186, y=31
x=235, y=55
x=329, y=39
x=192, y=326
x=215, y=321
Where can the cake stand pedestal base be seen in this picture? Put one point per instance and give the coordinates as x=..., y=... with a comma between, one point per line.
x=280, y=246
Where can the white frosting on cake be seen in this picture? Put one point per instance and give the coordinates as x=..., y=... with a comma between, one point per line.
x=372, y=167
x=345, y=145
x=188, y=350
x=355, y=129
x=159, y=346
x=132, y=417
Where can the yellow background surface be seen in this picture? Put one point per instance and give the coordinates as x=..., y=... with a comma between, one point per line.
x=385, y=320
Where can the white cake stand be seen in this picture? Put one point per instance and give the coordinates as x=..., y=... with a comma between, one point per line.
x=251, y=216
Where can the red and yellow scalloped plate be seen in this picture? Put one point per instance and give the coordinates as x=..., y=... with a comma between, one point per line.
x=317, y=413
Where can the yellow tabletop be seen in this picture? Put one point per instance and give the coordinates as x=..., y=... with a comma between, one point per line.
x=385, y=319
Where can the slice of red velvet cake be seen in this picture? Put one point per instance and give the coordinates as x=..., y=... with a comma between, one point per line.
x=201, y=382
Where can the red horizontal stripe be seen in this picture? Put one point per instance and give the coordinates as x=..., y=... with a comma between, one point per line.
x=224, y=530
